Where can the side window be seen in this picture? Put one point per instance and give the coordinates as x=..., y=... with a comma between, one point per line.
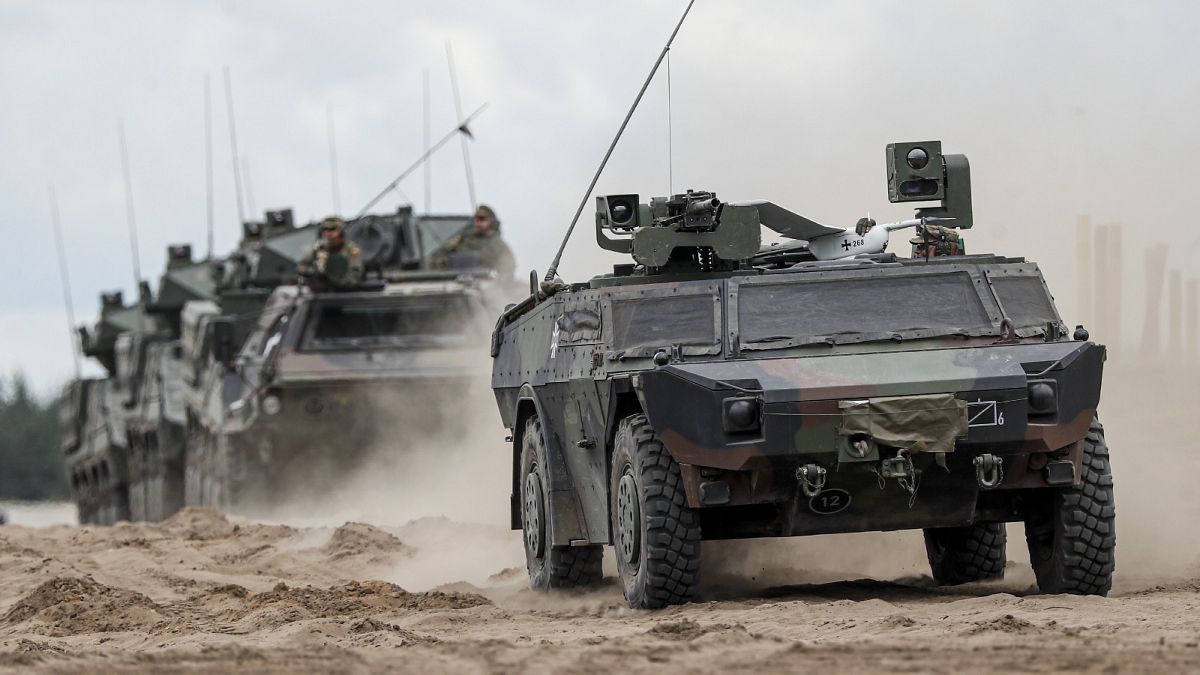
x=642, y=325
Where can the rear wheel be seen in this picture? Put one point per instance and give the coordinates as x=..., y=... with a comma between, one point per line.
x=959, y=555
x=549, y=566
x=1070, y=530
x=657, y=536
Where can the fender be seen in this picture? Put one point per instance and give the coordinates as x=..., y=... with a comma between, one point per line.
x=566, y=522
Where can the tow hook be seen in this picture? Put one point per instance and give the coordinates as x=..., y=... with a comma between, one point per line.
x=812, y=479
x=900, y=466
x=989, y=471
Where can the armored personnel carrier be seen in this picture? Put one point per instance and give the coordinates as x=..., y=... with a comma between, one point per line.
x=92, y=414
x=716, y=388
x=286, y=396
x=324, y=378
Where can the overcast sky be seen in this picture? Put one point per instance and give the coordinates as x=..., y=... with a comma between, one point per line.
x=1063, y=108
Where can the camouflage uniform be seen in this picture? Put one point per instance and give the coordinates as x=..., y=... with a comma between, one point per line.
x=336, y=266
x=490, y=248
x=939, y=240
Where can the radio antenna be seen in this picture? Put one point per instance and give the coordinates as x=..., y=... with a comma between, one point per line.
x=670, y=134
x=66, y=278
x=462, y=128
x=129, y=215
x=425, y=127
x=237, y=175
x=133, y=241
x=550, y=273
x=208, y=163
x=458, y=113
x=249, y=187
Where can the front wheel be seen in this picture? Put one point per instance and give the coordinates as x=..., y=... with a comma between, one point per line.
x=657, y=536
x=959, y=555
x=549, y=566
x=1070, y=530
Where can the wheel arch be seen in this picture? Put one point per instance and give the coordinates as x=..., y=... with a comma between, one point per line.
x=565, y=520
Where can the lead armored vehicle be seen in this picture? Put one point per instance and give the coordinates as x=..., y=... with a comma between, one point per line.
x=716, y=388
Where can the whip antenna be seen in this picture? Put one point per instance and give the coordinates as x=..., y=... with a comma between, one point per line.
x=550, y=273
x=249, y=187
x=66, y=278
x=208, y=163
x=461, y=128
x=425, y=126
x=670, y=134
x=129, y=215
x=237, y=176
x=458, y=114
x=133, y=241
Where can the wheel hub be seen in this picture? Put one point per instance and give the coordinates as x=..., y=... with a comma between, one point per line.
x=533, y=514
x=629, y=520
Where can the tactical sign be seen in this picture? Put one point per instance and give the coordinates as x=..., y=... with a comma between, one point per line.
x=829, y=502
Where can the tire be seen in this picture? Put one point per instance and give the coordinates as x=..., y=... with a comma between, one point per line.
x=549, y=566
x=656, y=534
x=959, y=555
x=1070, y=531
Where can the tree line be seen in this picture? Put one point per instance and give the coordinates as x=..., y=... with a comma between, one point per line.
x=31, y=463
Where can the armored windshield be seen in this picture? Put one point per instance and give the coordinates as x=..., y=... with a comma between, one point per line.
x=406, y=322
x=777, y=315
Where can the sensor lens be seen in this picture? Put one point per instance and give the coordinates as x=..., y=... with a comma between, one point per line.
x=622, y=212
x=917, y=158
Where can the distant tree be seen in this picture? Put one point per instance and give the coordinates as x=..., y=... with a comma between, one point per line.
x=31, y=464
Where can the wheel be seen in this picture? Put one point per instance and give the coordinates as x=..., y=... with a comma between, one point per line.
x=549, y=566
x=1070, y=530
x=958, y=555
x=656, y=534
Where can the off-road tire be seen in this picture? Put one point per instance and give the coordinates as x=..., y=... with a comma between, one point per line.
x=666, y=567
x=550, y=566
x=960, y=555
x=1070, y=531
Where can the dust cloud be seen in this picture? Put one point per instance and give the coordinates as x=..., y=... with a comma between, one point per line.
x=436, y=474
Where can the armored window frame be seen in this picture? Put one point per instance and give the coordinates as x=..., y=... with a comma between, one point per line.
x=310, y=342
x=1027, y=270
x=879, y=274
x=662, y=292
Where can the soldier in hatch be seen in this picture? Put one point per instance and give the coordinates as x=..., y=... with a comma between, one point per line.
x=482, y=242
x=332, y=262
x=935, y=240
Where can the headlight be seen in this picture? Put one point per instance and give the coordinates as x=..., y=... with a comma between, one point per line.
x=271, y=405
x=1043, y=397
x=741, y=415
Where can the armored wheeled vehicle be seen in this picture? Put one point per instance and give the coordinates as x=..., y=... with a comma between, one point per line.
x=92, y=414
x=288, y=397
x=325, y=378
x=717, y=388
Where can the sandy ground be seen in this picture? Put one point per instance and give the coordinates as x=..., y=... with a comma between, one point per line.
x=445, y=590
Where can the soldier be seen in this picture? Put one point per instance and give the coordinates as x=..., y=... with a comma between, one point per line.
x=333, y=261
x=483, y=241
x=935, y=240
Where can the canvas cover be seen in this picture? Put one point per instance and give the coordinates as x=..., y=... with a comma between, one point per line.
x=927, y=423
